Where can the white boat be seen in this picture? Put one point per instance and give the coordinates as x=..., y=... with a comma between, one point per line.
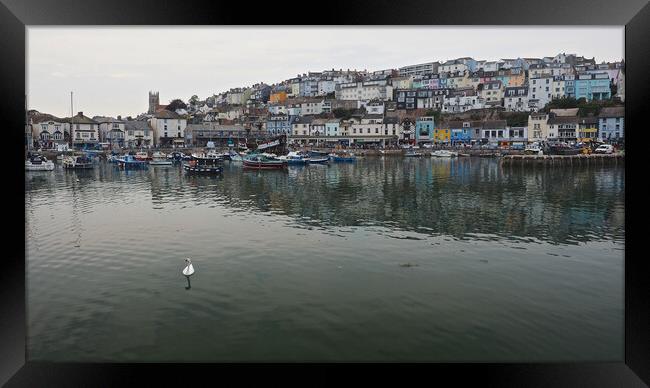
x=39, y=163
x=77, y=162
x=444, y=154
x=235, y=157
x=160, y=159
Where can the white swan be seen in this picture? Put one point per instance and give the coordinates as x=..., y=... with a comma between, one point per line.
x=189, y=270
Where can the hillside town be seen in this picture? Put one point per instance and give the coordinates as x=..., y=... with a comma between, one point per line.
x=464, y=101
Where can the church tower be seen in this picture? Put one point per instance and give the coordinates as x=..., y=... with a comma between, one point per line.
x=154, y=101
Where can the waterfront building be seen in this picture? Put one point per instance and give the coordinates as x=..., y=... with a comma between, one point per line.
x=442, y=133
x=419, y=69
x=593, y=86
x=392, y=128
x=300, y=126
x=48, y=130
x=169, y=128
x=198, y=135
x=137, y=133
x=332, y=127
x=317, y=127
x=611, y=123
x=461, y=132
x=537, y=127
x=587, y=129
x=85, y=131
x=424, y=127
x=566, y=128
x=494, y=132
x=111, y=130
x=279, y=124
x=515, y=99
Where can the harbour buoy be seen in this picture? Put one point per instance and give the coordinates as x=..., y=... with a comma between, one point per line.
x=189, y=269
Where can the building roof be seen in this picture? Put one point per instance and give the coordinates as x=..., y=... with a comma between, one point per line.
x=373, y=116
x=80, y=119
x=391, y=120
x=319, y=121
x=563, y=120
x=588, y=120
x=565, y=112
x=136, y=125
x=615, y=111
x=494, y=124
x=166, y=114
x=38, y=117
x=304, y=120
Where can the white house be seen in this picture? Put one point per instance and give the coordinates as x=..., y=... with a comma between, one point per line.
x=84, y=130
x=369, y=90
x=169, y=128
x=138, y=133
x=540, y=91
x=47, y=129
x=111, y=130
x=515, y=99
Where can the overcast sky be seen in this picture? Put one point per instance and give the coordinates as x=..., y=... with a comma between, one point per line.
x=111, y=70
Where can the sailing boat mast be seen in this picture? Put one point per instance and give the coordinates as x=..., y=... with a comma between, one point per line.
x=71, y=121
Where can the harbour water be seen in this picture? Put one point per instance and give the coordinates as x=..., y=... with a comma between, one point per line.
x=385, y=259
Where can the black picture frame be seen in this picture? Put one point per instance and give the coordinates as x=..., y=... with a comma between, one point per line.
x=16, y=14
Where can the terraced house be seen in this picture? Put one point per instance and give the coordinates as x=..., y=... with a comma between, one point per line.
x=84, y=130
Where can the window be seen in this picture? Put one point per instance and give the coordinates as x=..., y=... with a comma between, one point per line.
x=130, y=132
x=44, y=127
x=78, y=135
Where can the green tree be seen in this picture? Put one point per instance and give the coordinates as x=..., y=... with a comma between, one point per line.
x=176, y=104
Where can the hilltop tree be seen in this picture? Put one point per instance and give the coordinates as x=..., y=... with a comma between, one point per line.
x=176, y=104
x=435, y=114
x=193, y=100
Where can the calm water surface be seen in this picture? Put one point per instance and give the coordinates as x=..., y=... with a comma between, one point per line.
x=508, y=264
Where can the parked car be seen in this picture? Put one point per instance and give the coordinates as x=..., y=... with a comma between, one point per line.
x=604, y=149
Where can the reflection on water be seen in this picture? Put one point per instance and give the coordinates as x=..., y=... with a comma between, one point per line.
x=305, y=263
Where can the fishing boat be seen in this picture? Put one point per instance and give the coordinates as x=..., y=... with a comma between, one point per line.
x=129, y=161
x=37, y=162
x=175, y=157
x=317, y=157
x=444, y=154
x=160, y=159
x=213, y=155
x=142, y=155
x=343, y=157
x=294, y=157
x=263, y=162
x=235, y=157
x=77, y=162
x=208, y=164
x=413, y=153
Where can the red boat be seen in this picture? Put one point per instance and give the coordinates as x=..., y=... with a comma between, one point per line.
x=261, y=162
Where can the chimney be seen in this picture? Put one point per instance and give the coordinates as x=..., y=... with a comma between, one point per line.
x=80, y=113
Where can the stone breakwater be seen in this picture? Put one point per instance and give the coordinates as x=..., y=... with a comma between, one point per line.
x=563, y=160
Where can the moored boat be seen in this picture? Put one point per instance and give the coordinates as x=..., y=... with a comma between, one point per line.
x=129, y=161
x=160, y=159
x=263, y=162
x=444, y=154
x=78, y=162
x=295, y=158
x=38, y=162
x=343, y=157
x=210, y=163
x=142, y=155
x=317, y=157
x=412, y=154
